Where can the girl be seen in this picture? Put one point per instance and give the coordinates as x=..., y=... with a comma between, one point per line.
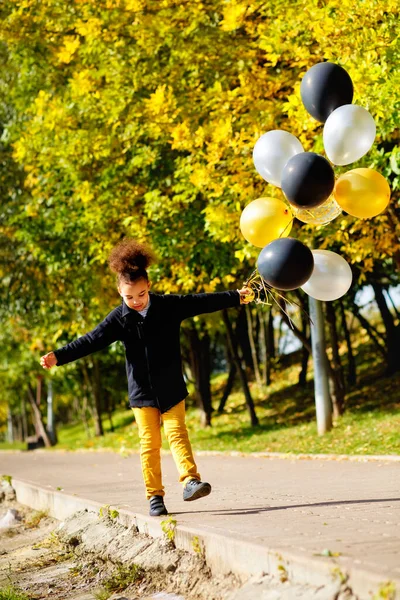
x=149, y=326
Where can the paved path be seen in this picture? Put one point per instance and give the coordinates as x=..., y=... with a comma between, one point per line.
x=298, y=506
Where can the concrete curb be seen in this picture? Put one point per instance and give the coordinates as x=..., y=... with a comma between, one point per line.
x=223, y=553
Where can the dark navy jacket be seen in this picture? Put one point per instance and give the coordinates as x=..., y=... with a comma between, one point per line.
x=152, y=345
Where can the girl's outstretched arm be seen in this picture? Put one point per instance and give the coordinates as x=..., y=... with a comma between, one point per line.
x=190, y=305
x=107, y=332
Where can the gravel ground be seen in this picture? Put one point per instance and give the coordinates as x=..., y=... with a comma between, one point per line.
x=92, y=557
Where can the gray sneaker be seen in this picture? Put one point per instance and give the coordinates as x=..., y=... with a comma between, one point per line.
x=195, y=489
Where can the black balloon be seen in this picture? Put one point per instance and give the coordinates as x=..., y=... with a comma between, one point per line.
x=307, y=180
x=285, y=264
x=324, y=88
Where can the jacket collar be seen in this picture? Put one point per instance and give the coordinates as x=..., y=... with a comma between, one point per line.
x=131, y=311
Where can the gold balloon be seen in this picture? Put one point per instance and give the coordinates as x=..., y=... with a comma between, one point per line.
x=363, y=193
x=264, y=220
x=320, y=215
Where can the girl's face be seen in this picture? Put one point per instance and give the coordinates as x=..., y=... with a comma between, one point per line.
x=136, y=294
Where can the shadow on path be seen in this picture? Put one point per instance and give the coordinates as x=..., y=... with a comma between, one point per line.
x=260, y=509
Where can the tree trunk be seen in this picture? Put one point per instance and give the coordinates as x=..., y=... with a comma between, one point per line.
x=392, y=336
x=271, y=335
x=336, y=371
x=81, y=410
x=243, y=379
x=242, y=335
x=98, y=395
x=305, y=355
x=396, y=312
x=254, y=356
x=262, y=343
x=19, y=429
x=373, y=334
x=201, y=368
x=282, y=320
x=37, y=403
x=352, y=373
x=108, y=408
x=392, y=219
x=94, y=406
x=335, y=391
x=270, y=341
x=305, y=340
x=37, y=416
x=229, y=385
x=24, y=419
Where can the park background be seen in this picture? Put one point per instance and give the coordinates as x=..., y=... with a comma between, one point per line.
x=138, y=118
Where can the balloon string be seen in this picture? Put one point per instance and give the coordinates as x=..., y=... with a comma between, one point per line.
x=289, y=225
x=293, y=303
x=257, y=284
x=279, y=305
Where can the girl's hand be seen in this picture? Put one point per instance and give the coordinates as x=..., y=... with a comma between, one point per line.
x=48, y=360
x=246, y=295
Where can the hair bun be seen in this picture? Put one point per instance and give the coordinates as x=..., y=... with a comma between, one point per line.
x=130, y=256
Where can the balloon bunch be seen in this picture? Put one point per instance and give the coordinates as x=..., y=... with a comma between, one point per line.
x=308, y=183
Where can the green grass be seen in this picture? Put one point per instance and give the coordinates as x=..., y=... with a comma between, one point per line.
x=122, y=577
x=33, y=520
x=370, y=425
x=13, y=446
x=12, y=593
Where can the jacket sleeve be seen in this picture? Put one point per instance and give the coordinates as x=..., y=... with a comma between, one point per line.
x=191, y=305
x=107, y=332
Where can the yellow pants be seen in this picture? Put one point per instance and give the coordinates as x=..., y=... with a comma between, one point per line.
x=149, y=422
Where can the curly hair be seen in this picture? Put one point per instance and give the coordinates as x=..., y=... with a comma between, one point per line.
x=130, y=260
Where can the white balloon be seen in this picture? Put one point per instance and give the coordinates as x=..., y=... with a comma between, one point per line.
x=271, y=153
x=331, y=277
x=349, y=133
x=319, y=215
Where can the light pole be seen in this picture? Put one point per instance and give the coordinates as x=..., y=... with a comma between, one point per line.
x=323, y=404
